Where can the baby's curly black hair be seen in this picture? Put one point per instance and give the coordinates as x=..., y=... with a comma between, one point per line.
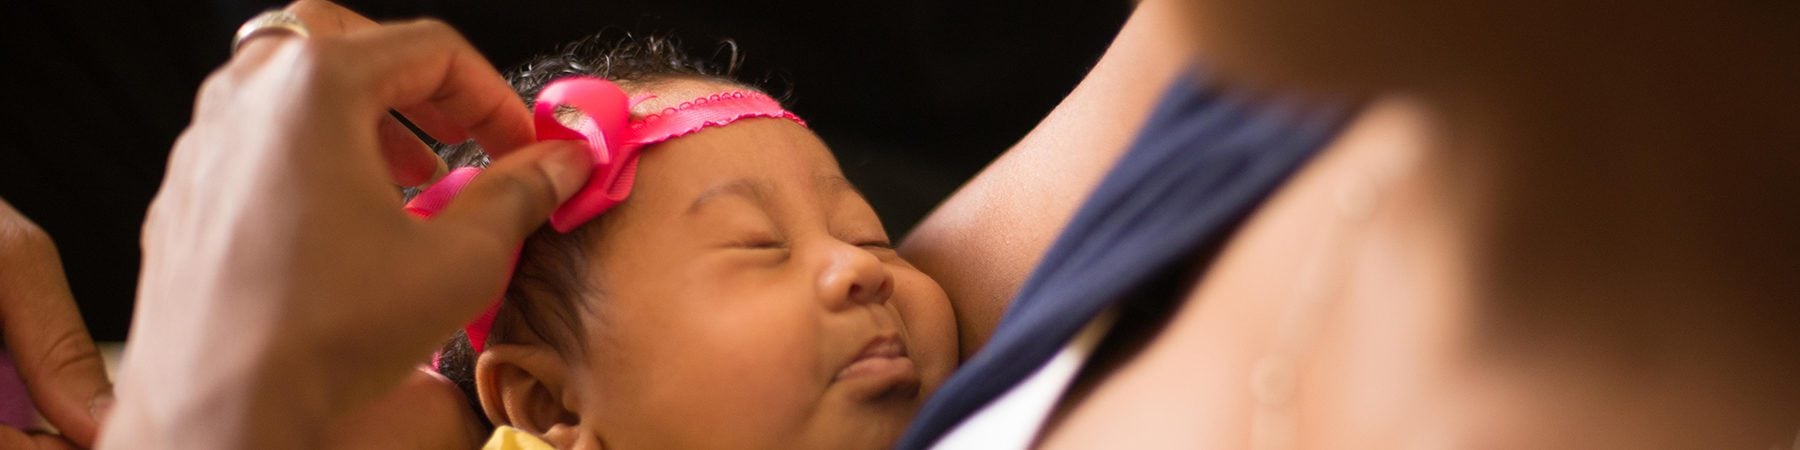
x=547, y=293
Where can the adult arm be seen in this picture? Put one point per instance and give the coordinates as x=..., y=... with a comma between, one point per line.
x=983, y=241
x=44, y=334
x=62, y=368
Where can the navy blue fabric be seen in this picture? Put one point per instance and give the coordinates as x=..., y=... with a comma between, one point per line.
x=1206, y=159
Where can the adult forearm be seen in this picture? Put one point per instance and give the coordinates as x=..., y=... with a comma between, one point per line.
x=983, y=241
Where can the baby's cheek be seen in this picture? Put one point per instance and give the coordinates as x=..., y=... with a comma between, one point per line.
x=721, y=381
x=764, y=358
x=930, y=325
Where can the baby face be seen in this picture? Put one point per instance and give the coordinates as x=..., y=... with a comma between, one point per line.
x=749, y=298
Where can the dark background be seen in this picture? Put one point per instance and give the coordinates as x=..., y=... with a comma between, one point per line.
x=913, y=96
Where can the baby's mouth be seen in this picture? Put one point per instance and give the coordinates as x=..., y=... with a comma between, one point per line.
x=882, y=368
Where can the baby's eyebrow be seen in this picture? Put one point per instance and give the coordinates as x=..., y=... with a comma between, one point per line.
x=834, y=183
x=744, y=187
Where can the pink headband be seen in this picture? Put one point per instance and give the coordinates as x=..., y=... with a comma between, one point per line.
x=614, y=139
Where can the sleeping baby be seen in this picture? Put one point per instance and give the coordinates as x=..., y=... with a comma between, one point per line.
x=720, y=284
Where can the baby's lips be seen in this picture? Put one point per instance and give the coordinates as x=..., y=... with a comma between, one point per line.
x=882, y=355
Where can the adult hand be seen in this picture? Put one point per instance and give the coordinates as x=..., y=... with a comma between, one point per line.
x=410, y=161
x=46, y=338
x=425, y=411
x=282, y=284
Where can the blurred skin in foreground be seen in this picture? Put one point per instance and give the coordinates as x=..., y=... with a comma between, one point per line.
x=1581, y=237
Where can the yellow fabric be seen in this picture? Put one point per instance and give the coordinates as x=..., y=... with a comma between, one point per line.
x=509, y=438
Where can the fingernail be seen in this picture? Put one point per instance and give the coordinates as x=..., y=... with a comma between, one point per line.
x=443, y=168
x=571, y=166
x=575, y=153
x=100, y=406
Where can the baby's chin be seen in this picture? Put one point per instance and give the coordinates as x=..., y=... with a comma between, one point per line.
x=869, y=406
x=865, y=426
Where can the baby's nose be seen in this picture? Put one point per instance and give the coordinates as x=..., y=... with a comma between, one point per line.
x=852, y=276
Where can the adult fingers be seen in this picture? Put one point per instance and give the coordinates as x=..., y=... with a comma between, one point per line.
x=44, y=334
x=21, y=440
x=479, y=233
x=426, y=64
x=516, y=194
x=410, y=162
x=435, y=124
x=323, y=18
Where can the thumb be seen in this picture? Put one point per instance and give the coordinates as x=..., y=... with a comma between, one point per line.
x=44, y=334
x=27, y=440
x=516, y=194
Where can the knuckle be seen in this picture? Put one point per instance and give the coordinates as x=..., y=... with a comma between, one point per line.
x=19, y=234
x=71, y=352
x=435, y=26
x=300, y=5
x=436, y=29
x=312, y=69
x=289, y=62
x=309, y=52
x=484, y=243
x=153, y=219
x=531, y=186
x=315, y=59
x=216, y=89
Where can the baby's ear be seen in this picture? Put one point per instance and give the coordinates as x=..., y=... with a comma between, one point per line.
x=522, y=386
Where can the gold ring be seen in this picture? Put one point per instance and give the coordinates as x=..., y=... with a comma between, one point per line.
x=271, y=21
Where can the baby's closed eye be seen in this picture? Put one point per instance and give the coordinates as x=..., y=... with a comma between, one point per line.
x=759, y=241
x=881, y=243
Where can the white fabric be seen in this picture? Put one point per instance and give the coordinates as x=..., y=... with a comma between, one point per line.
x=1012, y=421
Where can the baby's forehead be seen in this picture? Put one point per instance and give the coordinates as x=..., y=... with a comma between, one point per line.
x=774, y=152
x=774, y=149
x=670, y=92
